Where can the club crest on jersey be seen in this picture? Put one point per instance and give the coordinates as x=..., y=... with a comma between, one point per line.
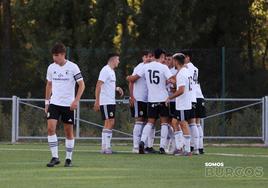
x=141, y=113
x=55, y=72
x=67, y=72
x=203, y=103
x=48, y=114
x=60, y=75
x=111, y=114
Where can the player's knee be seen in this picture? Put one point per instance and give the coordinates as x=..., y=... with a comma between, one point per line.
x=51, y=131
x=183, y=125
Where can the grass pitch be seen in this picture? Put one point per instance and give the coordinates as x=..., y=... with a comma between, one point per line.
x=24, y=166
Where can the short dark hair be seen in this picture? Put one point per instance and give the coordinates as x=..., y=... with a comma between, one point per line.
x=58, y=48
x=180, y=58
x=187, y=52
x=158, y=52
x=168, y=54
x=112, y=54
x=146, y=52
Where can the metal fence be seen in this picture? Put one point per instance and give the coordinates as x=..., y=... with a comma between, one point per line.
x=235, y=119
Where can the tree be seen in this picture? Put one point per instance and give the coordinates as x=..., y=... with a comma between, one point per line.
x=6, y=49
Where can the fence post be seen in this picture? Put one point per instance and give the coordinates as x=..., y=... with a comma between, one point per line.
x=266, y=121
x=263, y=118
x=14, y=120
x=17, y=117
x=68, y=53
x=203, y=125
x=223, y=76
x=78, y=120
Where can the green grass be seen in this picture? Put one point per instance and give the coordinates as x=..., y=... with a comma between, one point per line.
x=23, y=165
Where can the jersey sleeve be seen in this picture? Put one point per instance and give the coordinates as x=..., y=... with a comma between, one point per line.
x=77, y=73
x=168, y=73
x=140, y=72
x=135, y=71
x=49, y=74
x=181, y=80
x=103, y=75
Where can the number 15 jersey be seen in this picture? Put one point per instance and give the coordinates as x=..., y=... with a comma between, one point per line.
x=156, y=74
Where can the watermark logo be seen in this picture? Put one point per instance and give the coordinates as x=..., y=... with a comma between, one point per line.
x=218, y=169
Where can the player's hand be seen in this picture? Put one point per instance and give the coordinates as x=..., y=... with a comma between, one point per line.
x=96, y=106
x=128, y=78
x=131, y=101
x=120, y=91
x=46, y=108
x=167, y=101
x=73, y=105
x=173, y=88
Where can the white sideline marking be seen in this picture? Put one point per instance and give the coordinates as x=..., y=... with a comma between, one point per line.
x=97, y=151
x=47, y=150
x=236, y=155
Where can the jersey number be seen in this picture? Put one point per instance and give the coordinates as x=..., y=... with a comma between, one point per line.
x=154, y=77
x=190, y=83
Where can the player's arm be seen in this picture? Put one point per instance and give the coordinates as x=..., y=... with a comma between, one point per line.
x=172, y=80
x=177, y=93
x=133, y=78
x=48, y=94
x=80, y=91
x=120, y=91
x=97, y=95
x=131, y=98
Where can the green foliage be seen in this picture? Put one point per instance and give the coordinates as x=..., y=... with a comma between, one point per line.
x=32, y=122
x=93, y=28
x=246, y=123
x=5, y=125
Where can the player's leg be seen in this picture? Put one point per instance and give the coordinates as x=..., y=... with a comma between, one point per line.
x=187, y=137
x=137, y=131
x=146, y=135
x=193, y=130
x=139, y=112
x=69, y=143
x=151, y=137
x=178, y=134
x=163, y=134
x=52, y=119
x=201, y=136
x=67, y=117
x=185, y=114
x=108, y=115
x=108, y=134
x=200, y=113
x=170, y=139
x=164, y=119
x=150, y=142
x=148, y=128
